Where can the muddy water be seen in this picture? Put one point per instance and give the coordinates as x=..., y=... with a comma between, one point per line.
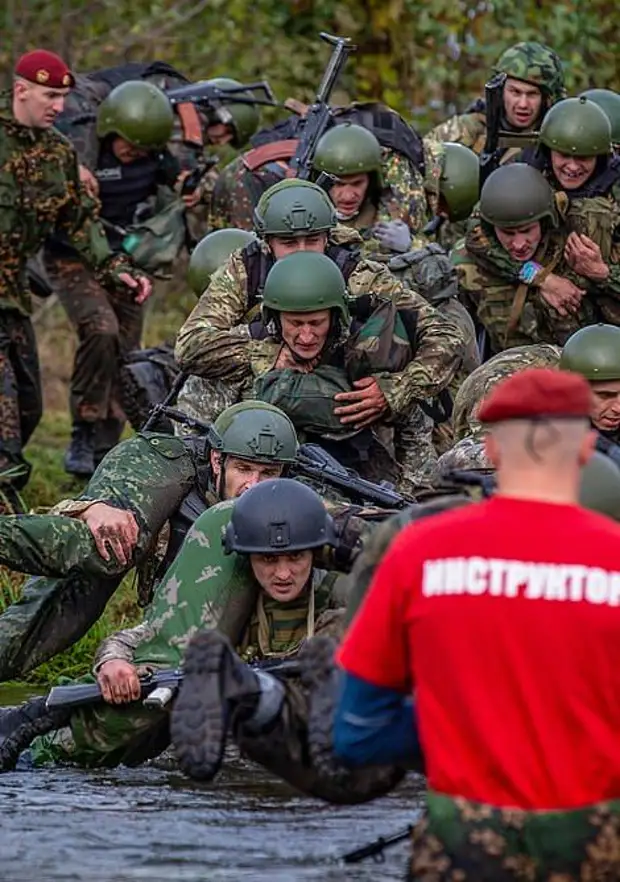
x=151, y=823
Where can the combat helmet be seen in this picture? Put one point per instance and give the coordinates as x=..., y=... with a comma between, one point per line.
x=576, y=127
x=599, y=488
x=277, y=517
x=212, y=252
x=294, y=208
x=593, y=352
x=256, y=431
x=349, y=149
x=305, y=281
x=608, y=101
x=536, y=64
x=516, y=194
x=459, y=184
x=139, y=112
x=242, y=118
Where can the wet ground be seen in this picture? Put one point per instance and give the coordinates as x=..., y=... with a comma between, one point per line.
x=153, y=824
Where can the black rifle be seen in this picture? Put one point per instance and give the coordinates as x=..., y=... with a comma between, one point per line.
x=319, y=116
x=194, y=178
x=375, y=849
x=205, y=94
x=163, y=409
x=165, y=682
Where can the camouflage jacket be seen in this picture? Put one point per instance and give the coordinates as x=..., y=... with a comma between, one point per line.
x=40, y=194
x=215, y=340
x=468, y=129
x=206, y=588
x=513, y=313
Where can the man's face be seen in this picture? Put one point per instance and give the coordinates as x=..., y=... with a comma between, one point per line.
x=219, y=134
x=522, y=103
x=282, y=576
x=572, y=171
x=520, y=242
x=605, y=413
x=283, y=246
x=37, y=106
x=305, y=333
x=348, y=194
x=126, y=152
x=241, y=474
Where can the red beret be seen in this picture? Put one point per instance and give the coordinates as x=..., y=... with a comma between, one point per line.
x=44, y=68
x=537, y=393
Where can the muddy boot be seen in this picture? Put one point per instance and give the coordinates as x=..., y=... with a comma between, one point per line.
x=20, y=725
x=80, y=455
x=218, y=690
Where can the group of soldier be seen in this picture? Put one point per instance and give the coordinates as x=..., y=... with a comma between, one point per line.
x=337, y=344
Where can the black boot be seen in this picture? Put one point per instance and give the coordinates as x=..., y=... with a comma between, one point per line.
x=218, y=690
x=20, y=725
x=80, y=455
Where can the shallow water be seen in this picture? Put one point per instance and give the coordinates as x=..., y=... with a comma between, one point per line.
x=151, y=823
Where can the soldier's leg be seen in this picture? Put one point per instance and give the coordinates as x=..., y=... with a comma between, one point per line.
x=415, y=451
x=20, y=398
x=96, y=360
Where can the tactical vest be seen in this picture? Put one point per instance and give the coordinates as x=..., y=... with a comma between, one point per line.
x=123, y=186
x=257, y=265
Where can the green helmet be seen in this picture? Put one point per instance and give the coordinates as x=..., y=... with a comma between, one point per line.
x=516, y=194
x=593, y=352
x=305, y=282
x=599, y=489
x=212, y=252
x=577, y=127
x=242, y=118
x=348, y=149
x=294, y=208
x=609, y=102
x=277, y=517
x=256, y=431
x=536, y=64
x=459, y=183
x=139, y=112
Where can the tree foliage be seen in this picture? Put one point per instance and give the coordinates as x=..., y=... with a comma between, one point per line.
x=424, y=57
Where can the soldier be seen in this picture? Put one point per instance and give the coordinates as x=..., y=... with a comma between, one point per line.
x=609, y=101
x=385, y=220
x=535, y=81
x=42, y=196
x=134, y=124
x=297, y=215
x=135, y=511
x=545, y=301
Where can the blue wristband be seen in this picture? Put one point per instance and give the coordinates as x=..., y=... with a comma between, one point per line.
x=529, y=271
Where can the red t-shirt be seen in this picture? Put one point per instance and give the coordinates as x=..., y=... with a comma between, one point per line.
x=504, y=617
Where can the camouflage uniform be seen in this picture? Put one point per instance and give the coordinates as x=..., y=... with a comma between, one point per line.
x=41, y=195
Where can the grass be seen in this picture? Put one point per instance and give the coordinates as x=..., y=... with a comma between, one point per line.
x=49, y=483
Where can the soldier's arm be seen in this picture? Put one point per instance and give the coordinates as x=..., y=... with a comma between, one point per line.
x=214, y=342
x=121, y=645
x=468, y=129
x=407, y=186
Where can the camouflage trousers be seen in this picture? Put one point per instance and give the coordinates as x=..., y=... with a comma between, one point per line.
x=109, y=326
x=464, y=840
x=21, y=403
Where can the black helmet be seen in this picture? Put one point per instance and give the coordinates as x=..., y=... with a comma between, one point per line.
x=276, y=517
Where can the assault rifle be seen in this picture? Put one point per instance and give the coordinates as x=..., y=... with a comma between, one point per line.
x=156, y=689
x=205, y=94
x=375, y=849
x=319, y=115
x=498, y=139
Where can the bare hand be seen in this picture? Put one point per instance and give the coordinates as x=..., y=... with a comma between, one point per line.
x=365, y=404
x=190, y=199
x=585, y=258
x=118, y=681
x=286, y=359
x=112, y=527
x=141, y=284
x=88, y=181
x=561, y=294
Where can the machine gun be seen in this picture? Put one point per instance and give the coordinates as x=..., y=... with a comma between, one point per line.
x=205, y=94
x=319, y=116
x=375, y=849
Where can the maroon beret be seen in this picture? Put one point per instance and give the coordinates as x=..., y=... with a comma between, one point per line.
x=44, y=68
x=537, y=393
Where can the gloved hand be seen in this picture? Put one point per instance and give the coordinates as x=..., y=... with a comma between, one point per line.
x=394, y=235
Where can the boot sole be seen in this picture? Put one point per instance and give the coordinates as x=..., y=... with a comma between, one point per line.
x=198, y=725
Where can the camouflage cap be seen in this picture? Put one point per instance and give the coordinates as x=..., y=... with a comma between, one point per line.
x=577, y=127
x=294, y=208
x=305, y=282
x=609, y=102
x=256, y=431
x=516, y=194
x=534, y=63
x=278, y=517
x=593, y=352
x=212, y=252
